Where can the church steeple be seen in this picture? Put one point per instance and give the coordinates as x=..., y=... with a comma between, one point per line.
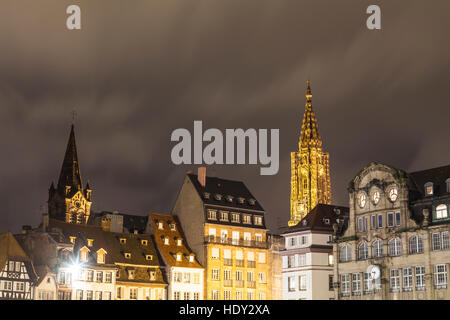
x=69, y=201
x=70, y=171
x=310, y=175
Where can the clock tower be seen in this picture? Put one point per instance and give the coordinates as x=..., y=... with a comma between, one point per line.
x=310, y=172
x=69, y=201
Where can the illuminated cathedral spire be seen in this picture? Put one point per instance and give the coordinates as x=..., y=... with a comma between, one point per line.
x=310, y=174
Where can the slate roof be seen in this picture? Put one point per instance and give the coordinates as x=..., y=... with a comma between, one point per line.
x=225, y=188
x=315, y=220
x=437, y=176
x=169, y=251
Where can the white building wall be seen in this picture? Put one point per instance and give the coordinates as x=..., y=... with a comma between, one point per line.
x=183, y=287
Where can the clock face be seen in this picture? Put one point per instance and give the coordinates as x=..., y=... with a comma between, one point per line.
x=374, y=272
x=362, y=200
x=393, y=194
x=376, y=197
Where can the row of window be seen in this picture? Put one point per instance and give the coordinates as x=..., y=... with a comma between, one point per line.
x=85, y=275
x=227, y=295
x=399, y=279
x=89, y=295
x=186, y=295
x=132, y=294
x=376, y=221
x=429, y=190
x=230, y=198
x=234, y=217
x=239, y=254
x=239, y=275
x=297, y=241
x=186, y=277
x=14, y=285
x=235, y=236
x=439, y=241
x=300, y=280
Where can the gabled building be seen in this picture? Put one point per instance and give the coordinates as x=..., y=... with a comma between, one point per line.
x=105, y=265
x=225, y=227
x=184, y=274
x=17, y=275
x=308, y=254
x=397, y=244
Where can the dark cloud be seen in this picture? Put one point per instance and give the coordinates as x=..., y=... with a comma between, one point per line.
x=138, y=70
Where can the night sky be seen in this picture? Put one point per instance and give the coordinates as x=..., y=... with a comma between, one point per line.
x=140, y=69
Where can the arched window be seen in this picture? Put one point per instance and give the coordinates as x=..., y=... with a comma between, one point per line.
x=395, y=247
x=345, y=254
x=415, y=245
x=377, y=248
x=363, y=251
x=428, y=188
x=441, y=211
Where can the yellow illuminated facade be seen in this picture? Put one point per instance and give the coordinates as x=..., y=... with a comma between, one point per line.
x=310, y=173
x=237, y=268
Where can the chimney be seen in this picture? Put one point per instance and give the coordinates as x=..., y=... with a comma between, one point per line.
x=106, y=224
x=44, y=222
x=201, y=176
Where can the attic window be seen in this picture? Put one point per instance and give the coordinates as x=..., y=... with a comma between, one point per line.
x=178, y=256
x=326, y=221
x=179, y=242
x=72, y=239
x=166, y=241
x=258, y=220
x=337, y=211
x=131, y=274
x=305, y=222
x=123, y=240
x=127, y=255
x=191, y=258
x=241, y=200
x=144, y=242
x=90, y=242
x=252, y=201
x=429, y=188
x=152, y=275
x=230, y=198
x=172, y=226
x=206, y=195
x=160, y=225
x=100, y=257
x=218, y=196
x=148, y=257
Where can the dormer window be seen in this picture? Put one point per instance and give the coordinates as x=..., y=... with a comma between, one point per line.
x=258, y=220
x=179, y=242
x=148, y=257
x=101, y=254
x=247, y=219
x=72, y=239
x=218, y=196
x=84, y=254
x=127, y=255
x=429, y=188
x=160, y=225
x=206, y=195
x=241, y=200
x=191, y=258
x=230, y=198
x=90, y=242
x=235, y=217
x=144, y=242
x=166, y=241
x=123, y=240
x=326, y=221
x=131, y=274
x=252, y=202
x=212, y=215
x=178, y=256
x=152, y=275
x=173, y=227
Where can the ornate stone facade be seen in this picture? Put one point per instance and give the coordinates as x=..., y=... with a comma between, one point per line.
x=310, y=172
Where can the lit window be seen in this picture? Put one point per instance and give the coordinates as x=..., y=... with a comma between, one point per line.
x=160, y=225
x=362, y=200
x=441, y=211
x=212, y=214
x=90, y=242
x=247, y=219
x=101, y=256
x=84, y=254
x=148, y=257
x=179, y=242
x=144, y=242
x=223, y=216
x=215, y=253
x=258, y=220
x=230, y=198
x=166, y=241
x=127, y=255
x=131, y=274
x=178, y=256
x=191, y=258
x=173, y=227
x=428, y=188
x=393, y=194
x=72, y=239
x=123, y=240
x=218, y=196
x=330, y=259
x=235, y=217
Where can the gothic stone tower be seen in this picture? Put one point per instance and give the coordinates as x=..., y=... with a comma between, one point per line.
x=310, y=173
x=69, y=202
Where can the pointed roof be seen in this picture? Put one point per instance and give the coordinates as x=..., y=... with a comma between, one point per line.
x=309, y=135
x=70, y=171
x=10, y=249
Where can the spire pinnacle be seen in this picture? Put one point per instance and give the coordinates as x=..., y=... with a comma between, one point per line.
x=70, y=171
x=309, y=135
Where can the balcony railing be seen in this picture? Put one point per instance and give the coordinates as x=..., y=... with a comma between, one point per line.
x=228, y=283
x=228, y=262
x=251, y=284
x=239, y=263
x=237, y=242
x=251, y=264
x=240, y=283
